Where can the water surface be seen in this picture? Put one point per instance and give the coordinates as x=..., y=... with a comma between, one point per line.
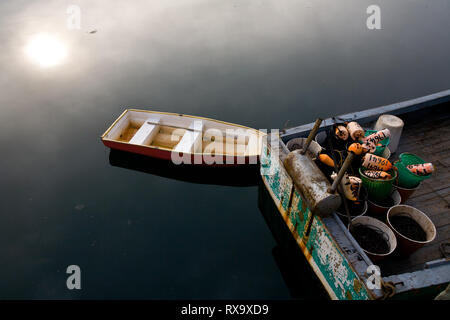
x=138, y=234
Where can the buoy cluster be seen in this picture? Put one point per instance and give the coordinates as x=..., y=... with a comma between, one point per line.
x=372, y=185
x=367, y=167
x=352, y=135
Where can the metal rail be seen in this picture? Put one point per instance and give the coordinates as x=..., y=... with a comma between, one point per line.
x=372, y=114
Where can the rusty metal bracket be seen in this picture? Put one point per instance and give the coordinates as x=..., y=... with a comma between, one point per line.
x=309, y=227
x=291, y=196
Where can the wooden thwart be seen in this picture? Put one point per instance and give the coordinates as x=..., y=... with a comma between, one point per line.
x=146, y=132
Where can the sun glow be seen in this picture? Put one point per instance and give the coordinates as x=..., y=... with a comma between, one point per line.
x=46, y=50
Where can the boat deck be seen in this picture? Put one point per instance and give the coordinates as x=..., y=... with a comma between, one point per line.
x=427, y=134
x=340, y=262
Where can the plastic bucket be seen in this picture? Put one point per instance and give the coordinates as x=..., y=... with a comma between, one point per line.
x=395, y=126
x=384, y=143
x=387, y=232
x=356, y=208
x=377, y=189
x=321, y=138
x=407, y=179
x=297, y=143
x=406, y=245
x=379, y=210
x=386, y=153
x=405, y=193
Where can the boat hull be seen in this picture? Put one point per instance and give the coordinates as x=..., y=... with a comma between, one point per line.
x=195, y=159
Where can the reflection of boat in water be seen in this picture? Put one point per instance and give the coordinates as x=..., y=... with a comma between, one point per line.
x=342, y=266
x=228, y=176
x=184, y=139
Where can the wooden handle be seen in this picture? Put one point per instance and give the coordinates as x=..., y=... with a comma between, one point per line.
x=312, y=133
x=344, y=168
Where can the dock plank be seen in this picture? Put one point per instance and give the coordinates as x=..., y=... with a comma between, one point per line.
x=427, y=135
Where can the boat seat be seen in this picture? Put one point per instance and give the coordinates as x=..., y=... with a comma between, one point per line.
x=192, y=138
x=146, y=132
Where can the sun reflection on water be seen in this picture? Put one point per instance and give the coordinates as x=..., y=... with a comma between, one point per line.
x=46, y=50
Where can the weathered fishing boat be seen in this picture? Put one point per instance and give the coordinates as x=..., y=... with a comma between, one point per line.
x=183, y=138
x=341, y=265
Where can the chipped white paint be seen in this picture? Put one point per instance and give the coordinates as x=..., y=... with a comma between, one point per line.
x=328, y=257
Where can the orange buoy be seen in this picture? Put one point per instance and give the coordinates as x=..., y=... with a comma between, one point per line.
x=421, y=169
x=373, y=162
x=341, y=132
x=373, y=174
x=325, y=159
x=358, y=148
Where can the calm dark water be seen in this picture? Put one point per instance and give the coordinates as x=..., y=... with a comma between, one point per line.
x=143, y=233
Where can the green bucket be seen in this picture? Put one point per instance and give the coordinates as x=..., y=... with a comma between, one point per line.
x=407, y=179
x=377, y=189
x=384, y=143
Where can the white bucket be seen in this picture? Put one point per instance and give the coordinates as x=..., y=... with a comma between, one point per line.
x=314, y=148
x=395, y=126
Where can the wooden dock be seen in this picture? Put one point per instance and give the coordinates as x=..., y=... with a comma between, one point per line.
x=427, y=134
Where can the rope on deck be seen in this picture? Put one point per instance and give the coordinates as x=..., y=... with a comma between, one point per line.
x=388, y=289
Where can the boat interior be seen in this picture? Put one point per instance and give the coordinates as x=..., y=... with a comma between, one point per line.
x=182, y=133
